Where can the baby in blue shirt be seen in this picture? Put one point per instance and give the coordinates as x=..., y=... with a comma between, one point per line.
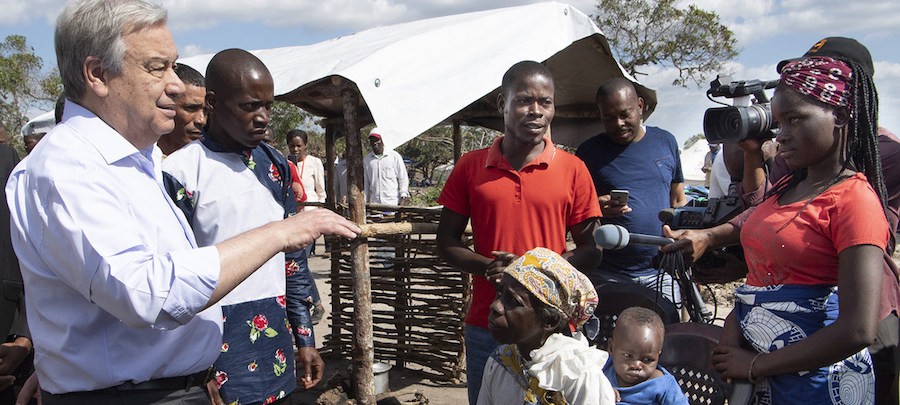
x=633, y=367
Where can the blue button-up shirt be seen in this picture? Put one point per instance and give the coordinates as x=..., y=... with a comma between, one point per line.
x=113, y=276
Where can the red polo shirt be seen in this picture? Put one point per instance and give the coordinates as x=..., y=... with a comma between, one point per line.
x=517, y=211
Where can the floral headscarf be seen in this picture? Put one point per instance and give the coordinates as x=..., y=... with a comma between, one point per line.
x=820, y=78
x=556, y=283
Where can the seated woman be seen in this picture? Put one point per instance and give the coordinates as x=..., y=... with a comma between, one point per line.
x=814, y=246
x=541, y=306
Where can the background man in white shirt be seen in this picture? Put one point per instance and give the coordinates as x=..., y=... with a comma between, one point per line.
x=386, y=179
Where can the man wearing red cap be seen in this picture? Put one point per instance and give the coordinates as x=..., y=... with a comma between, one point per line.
x=386, y=179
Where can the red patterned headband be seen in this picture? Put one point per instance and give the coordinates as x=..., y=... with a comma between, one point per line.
x=822, y=79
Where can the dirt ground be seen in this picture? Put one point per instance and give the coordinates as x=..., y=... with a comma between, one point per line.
x=404, y=383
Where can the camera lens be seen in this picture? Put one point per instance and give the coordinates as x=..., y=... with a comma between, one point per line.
x=733, y=121
x=733, y=124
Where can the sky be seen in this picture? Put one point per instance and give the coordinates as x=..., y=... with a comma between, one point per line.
x=767, y=31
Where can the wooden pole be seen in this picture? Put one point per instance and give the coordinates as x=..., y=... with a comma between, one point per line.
x=457, y=141
x=402, y=277
x=331, y=172
x=362, y=351
x=332, y=202
x=400, y=228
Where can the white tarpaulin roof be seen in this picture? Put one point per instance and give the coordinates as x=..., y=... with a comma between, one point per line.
x=415, y=75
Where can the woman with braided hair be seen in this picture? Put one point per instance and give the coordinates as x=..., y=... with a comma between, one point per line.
x=818, y=232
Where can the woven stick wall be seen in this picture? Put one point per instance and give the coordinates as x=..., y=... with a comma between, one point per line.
x=418, y=301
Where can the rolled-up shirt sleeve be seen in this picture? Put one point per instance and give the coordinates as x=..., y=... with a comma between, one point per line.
x=194, y=282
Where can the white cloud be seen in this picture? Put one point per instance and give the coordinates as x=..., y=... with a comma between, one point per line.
x=887, y=71
x=887, y=81
x=192, y=50
x=332, y=15
x=19, y=11
x=13, y=12
x=762, y=20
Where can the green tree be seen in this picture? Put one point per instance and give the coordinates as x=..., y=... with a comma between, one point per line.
x=656, y=32
x=693, y=139
x=429, y=150
x=22, y=85
x=286, y=116
x=434, y=147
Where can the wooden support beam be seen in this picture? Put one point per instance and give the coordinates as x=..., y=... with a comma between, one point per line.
x=362, y=352
x=330, y=169
x=400, y=228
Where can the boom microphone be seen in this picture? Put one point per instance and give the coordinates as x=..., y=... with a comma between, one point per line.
x=615, y=237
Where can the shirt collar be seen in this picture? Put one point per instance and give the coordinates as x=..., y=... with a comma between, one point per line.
x=111, y=145
x=218, y=147
x=495, y=155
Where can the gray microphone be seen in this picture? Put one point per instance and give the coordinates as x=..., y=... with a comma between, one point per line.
x=615, y=237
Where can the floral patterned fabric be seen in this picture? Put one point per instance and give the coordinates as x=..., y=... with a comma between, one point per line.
x=256, y=344
x=556, y=283
x=256, y=364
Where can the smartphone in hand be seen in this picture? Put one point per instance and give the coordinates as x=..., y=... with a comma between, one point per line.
x=618, y=197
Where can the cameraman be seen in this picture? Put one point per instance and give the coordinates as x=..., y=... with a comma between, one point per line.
x=885, y=349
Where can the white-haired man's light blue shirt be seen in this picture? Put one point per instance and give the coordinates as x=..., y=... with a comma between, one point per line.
x=113, y=276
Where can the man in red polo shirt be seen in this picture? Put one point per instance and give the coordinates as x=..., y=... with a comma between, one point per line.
x=520, y=193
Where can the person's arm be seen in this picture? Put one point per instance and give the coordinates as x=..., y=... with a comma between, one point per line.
x=11, y=356
x=402, y=180
x=368, y=180
x=731, y=331
x=695, y=242
x=676, y=189
x=586, y=256
x=13, y=352
x=299, y=284
x=320, y=181
x=609, y=209
x=31, y=390
x=859, y=281
x=451, y=248
x=676, y=195
x=754, y=175
x=242, y=255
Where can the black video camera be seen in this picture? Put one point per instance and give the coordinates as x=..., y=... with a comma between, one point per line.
x=717, y=211
x=746, y=118
x=717, y=265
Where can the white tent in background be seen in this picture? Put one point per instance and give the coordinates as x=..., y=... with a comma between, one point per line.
x=692, y=163
x=40, y=124
x=416, y=75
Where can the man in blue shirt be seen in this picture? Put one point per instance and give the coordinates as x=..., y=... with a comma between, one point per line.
x=645, y=162
x=120, y=296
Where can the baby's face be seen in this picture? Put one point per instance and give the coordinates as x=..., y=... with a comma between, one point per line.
x=635, y=352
